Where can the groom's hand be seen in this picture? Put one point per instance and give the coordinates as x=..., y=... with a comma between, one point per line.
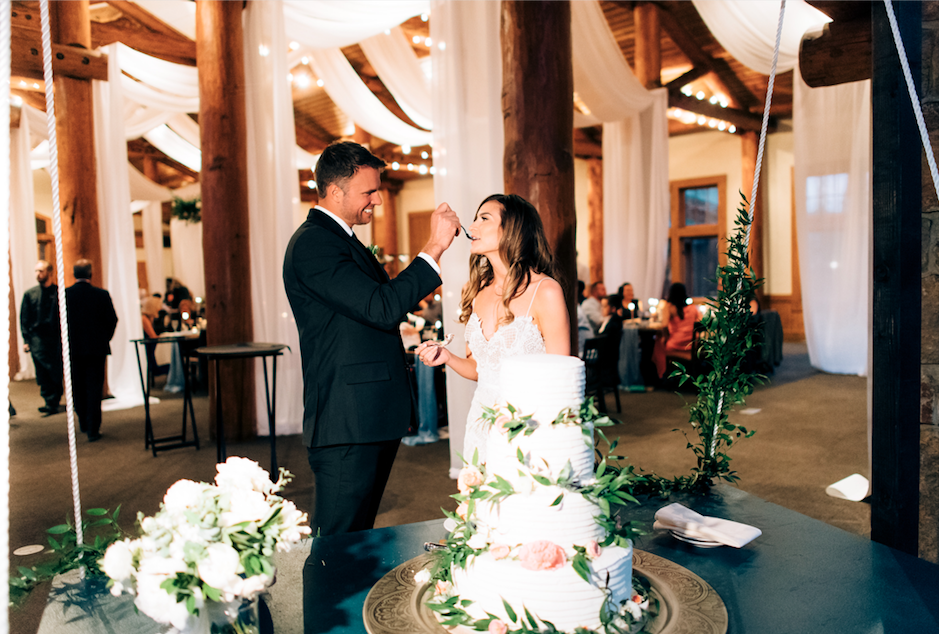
x=444, y=226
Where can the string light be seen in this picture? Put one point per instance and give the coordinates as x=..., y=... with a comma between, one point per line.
x=263, y=50
x=320, y=83
x=416, y=39
x=424, y=154
x=396, y=165
x=405, y=149
x=294, y=46
x=428, y=42
x=422, y=169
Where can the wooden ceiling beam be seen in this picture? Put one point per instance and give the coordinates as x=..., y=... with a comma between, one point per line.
x=843, y=53
x=736, y=89
x=695, y=73
x=741, y=118
x=142, y=31
x=70, y=61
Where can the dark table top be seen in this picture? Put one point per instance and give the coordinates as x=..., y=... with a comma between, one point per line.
x=241, y=350
x=801, y=576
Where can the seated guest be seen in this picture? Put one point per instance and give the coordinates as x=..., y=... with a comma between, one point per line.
x=187, y=314
x=679, y=319
x=630, y=305
x=612, y=324
x=591, y=305
x=149, y=314
x=584, y=331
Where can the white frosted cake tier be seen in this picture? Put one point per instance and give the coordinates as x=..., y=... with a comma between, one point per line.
x=559, y=596
x=542, y=385
x=524, y=518
x=546, y=452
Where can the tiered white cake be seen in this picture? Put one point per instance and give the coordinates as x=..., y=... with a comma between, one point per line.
x=525, y=532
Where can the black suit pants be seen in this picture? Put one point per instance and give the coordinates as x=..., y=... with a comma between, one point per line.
x=349, y=482
x=47, y=358
x=87, y=386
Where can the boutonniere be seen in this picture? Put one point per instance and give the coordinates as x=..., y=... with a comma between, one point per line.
x=374, y=250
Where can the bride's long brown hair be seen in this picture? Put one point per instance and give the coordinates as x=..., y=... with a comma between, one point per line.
x=524, y=249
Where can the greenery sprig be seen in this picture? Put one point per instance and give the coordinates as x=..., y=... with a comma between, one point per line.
x=99, y=531
x=188, y=210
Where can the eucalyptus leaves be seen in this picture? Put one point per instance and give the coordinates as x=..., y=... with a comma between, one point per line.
x=188, y=210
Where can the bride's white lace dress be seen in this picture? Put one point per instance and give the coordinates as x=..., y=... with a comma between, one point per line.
x=522, y=336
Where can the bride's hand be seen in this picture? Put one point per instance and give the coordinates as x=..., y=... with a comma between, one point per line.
x=432, y=354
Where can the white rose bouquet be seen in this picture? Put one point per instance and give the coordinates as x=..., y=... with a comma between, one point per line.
x=208, y=545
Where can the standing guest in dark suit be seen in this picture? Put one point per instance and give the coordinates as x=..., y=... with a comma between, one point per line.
x=91, y=324
x=39, y=323
x=356, y=396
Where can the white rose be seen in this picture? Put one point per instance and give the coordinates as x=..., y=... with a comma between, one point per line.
x=246, y=506
x=422, y=576
x=158, y=604
x=477, y=541
x=634, y=610
x=118, y=561
x=183, y=495
x=449, y=524
x=240, y=474
x=251, y=585
x=220, y=567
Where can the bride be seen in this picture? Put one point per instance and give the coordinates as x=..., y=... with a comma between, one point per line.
x=511, y=305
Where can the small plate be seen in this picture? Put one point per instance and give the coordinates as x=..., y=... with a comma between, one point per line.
x=700, y=543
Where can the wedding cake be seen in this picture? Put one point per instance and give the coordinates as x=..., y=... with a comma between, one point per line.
x=534, y=536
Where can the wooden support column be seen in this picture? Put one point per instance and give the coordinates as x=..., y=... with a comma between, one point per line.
x=648, y=45
x=385, y=224
x=897, y=284
x=749, y=145
x=595, y=218
x=538, y=109
x=74, y=127
x=220, y=57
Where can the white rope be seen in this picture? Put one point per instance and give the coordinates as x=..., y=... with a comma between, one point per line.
x=60, y=262
x=765, y=125
x=911, y=88
x=6, y=9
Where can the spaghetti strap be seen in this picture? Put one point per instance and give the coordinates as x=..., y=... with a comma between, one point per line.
x=528, y=314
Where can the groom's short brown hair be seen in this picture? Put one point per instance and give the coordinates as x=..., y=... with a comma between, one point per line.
x=339, y=162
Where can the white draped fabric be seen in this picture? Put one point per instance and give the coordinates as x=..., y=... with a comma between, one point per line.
x=468, y=145
x=635, y=154
x=346, y=89
x=118, y=254
x=176, y=147
x=23, y=254
x=188, y=267
x=334, y=23
x=635, y=182
x=152, y=226
x=142, y=93
x=400, y=70
x=174, y=79
x=747, y=30
x=138, y=119
x=142, y=188
x=273, y=202
x=832, y=151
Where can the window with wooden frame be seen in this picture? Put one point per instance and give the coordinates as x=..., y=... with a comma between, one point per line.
x=697, y=233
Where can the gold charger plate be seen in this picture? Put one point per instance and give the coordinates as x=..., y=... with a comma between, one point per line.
x=687, y=603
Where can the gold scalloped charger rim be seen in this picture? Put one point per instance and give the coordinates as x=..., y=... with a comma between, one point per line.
x=396, y=600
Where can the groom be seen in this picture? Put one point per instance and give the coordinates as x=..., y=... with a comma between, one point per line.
x=356, y=395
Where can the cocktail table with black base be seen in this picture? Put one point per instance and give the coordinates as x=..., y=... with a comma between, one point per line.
x=167, y=442
x=247, y=350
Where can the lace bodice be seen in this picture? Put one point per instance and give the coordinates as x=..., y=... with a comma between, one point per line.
x=522, y=336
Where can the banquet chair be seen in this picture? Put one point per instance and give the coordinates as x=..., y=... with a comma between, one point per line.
x=601, y=361
x=689, y=359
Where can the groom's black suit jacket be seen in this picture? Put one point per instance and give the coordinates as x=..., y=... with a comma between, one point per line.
x=355, y=385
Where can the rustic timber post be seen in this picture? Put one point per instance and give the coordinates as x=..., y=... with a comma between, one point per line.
x=595, y=219
x=385, y=228
x=749, y=145
x=220, y=60
x=538, y=109
x=897, y=284
x=648, y=45
x=74, y=127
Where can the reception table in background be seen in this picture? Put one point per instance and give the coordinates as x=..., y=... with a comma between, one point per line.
x=801, y=576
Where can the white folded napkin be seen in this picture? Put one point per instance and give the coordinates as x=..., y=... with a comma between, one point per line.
x=696, y=526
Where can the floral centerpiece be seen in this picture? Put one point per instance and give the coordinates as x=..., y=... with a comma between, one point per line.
x=207, y=553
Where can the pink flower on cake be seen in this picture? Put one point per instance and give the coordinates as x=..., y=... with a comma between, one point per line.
x=469, y=477
x=497, y=627
x=593, y=549
x=462, y=509
x=499, y=551
x=443, y=587
x=501, y=421
x=542, y=555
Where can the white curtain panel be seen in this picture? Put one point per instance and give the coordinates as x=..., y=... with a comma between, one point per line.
x=36, y=121
x=23, y=255
x=273, y=196
x=747, y=29
x=188, y=268
x=832, y=151
x=399, y=69
x=346, y=89
x=142, y=188
x=152, y=221
x=602, y=78
x=635, y=154
x=334, y=23
x=183, y=125
x=116, y=225
x=173, y=79
x=636, y=199
x=468, y=146
x=144, y=94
